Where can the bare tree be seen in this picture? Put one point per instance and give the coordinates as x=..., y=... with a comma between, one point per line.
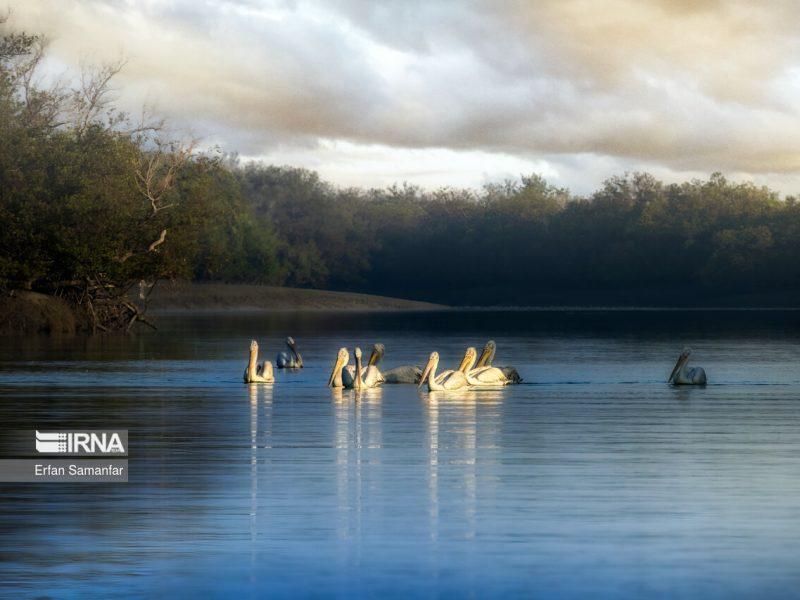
x=92, y=100
x=157, y=168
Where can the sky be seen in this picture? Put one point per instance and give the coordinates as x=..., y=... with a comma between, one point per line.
x=457, y=92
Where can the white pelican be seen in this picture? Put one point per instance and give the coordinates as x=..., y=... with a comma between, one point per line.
x=291, y=359
x=364, y=378
x=403, y=374
x=353, y=377
x=255, y=373
x=683, y=375
x=482, y=376
x=487, y=357
x=450, y=380
x=342, y=358
x=465, y=364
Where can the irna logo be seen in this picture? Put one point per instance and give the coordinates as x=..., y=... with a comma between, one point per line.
x=78, y=442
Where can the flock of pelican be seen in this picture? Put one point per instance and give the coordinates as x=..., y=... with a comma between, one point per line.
x=473, y=372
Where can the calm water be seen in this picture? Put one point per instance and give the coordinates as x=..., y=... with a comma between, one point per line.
x=595, y=478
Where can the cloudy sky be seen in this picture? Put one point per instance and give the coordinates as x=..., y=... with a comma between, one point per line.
x=446, y=92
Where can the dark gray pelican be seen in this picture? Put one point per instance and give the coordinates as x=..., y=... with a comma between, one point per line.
x=487, y=357
x=353, y=377
x=451, y=380
x=291, y=359
x=255, y=373
x=403, y=374
x=684, y=375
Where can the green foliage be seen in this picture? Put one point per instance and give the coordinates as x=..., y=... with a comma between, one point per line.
x=83, y=197
x=519, y=238
x=325, y=232
x=74, y=205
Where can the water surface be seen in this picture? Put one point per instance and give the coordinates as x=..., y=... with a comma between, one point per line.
x=594, y=478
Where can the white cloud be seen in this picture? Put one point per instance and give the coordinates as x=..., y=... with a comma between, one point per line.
x=443, y=93
x=349, y=164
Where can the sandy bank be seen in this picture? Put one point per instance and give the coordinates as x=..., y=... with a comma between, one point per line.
x=170, y=297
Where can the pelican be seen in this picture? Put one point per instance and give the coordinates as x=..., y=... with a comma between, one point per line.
x=465, y=365
x=449, y=380
x=404, y=374
x=487, y=357
x=255, y=373
x=682, y=375
x=336, y=379
x=291, y=359
x=364, y=378
x=353, y=377
x=482, y=376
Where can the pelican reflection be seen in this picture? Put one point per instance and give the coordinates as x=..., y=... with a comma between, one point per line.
x=258, y=396
x=358, y=440
x=432, y=414
x=462, y=437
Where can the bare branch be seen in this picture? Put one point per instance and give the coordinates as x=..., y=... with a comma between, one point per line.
x=92, y=97
x=148, y=125
x=156, y=170
x=27, y=68
x=152, y=247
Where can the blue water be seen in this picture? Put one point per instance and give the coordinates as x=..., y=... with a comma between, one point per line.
x=592, y=479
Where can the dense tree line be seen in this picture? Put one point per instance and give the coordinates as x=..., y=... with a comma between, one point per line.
x=96, y=207
x=515, y=241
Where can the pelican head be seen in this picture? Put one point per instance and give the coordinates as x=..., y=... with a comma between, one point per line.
x=298, y=360
x=469, y=360
x=378, y=350
x=682, y=360
x=253, y=346
x=487, y=354
x=342, y=358
x=357, y=353
x=433, y=361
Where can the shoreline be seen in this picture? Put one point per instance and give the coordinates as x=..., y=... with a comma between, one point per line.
x=23, y=311
x=176, y=297
x=245, y=310
x=186, y=297
x=32, y=312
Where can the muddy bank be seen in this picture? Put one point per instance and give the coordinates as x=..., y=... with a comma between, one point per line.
x=32, y=312
x=183, y=296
